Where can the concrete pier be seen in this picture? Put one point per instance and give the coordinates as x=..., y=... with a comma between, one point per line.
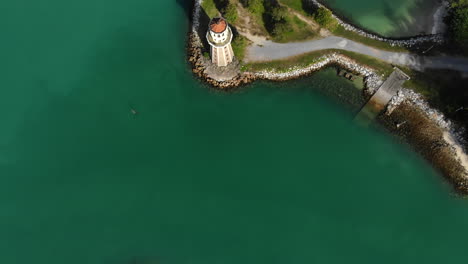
x=382, y=97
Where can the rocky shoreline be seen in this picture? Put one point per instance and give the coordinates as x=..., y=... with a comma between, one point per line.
x=407, y=115
x=200, y=65
x=428, y=136
x=403, y=42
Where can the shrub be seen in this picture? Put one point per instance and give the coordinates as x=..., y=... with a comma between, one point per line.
x=278, y=19
x=279, y=13
x=239, y=44
x=325, y=18
x=254, y=6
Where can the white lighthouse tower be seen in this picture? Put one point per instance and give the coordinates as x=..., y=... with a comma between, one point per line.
x=219, y=37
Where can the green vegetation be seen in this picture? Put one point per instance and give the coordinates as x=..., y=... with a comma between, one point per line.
x=254, y=6
x=277, y=19
x=342, y=32
x=210, y=9
x=300, y=31
x=459, y=23
x=458, y=3
x=381, y=67
x=294, y=4
x=308, y=59
x=284, y=26
x=239, y=45
x=230, y=12
x=285, y=65
x=324, y=18
x=444, y=90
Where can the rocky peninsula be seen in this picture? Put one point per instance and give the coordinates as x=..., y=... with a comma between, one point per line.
x=408, y=115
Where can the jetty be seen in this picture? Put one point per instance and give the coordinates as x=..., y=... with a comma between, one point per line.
x=382, y=97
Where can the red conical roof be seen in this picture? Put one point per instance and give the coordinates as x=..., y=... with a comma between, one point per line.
x=218, y=25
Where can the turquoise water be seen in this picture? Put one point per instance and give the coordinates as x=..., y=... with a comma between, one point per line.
x=394, y=18
x=275, y=173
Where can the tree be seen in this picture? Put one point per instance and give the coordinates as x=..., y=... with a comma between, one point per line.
x=459, y=26
x=325, y=18
x=279, y=20
x=230, y=13
x=279, y=13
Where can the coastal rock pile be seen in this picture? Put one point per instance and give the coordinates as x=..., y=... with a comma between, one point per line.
x=199, y=67
x=372, y=80
x=409, y=42
x=419, y=102
x=452, y=139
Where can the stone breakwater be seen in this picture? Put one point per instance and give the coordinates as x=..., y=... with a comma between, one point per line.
x=432, y=134
x=372, y=80
x=199, y=66
x=408, y=42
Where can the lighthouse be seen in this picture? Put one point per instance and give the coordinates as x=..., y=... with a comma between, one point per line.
x=219, y=37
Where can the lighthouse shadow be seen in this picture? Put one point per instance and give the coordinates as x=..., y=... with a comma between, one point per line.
x=204, y=21
x=186, y=5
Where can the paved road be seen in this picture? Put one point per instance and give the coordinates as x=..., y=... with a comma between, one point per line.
x=271, y=51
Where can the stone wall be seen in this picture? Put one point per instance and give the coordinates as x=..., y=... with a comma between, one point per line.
x=405, y=42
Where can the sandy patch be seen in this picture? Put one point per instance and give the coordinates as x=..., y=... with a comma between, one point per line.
x=461, y=155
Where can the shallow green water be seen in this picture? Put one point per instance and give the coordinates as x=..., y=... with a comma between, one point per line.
x=276, y=173
x=394, y=18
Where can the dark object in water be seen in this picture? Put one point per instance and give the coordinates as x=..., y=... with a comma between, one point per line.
x=347, y=75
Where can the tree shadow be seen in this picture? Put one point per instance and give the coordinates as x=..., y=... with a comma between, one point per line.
x=221, y=4
x=267, y=15
x=308, y=6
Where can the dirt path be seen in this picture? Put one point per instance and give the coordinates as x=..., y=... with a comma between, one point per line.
x=323, y=32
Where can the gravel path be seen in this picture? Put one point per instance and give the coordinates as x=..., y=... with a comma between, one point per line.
x=273, y=51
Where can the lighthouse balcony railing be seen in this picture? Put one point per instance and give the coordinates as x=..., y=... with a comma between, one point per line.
x=222, y=44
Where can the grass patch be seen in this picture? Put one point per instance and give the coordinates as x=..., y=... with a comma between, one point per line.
x=342, y=32
x=210, y=8
x=380, y=66
x=300, y=61
x=300, y=31
x=308, y=59
x=239, y=45
x=294, y=4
